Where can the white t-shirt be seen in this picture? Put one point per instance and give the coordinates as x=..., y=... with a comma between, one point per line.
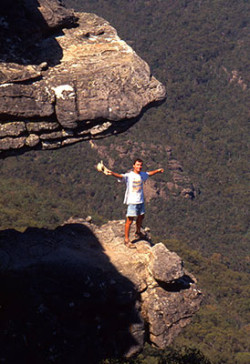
x=134, y=187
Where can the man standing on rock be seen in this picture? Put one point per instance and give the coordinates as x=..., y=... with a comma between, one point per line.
x=134, y=197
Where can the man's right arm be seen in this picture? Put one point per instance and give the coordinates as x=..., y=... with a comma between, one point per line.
x=117, y=175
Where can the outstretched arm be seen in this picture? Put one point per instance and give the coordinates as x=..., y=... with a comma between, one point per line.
x=111, y=173
x=151, y=173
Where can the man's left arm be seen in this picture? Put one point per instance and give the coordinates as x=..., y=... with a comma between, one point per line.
x=151, y=173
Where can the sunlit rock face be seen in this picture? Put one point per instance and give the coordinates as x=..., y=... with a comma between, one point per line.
x=66, y=77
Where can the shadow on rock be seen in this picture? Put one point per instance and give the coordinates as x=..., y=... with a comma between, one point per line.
x=23, y=25
x=62, y=300
x=177, y=285
x=116, y=128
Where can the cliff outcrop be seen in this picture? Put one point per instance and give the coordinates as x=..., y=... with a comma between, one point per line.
x=68, y=291
x=66, y=77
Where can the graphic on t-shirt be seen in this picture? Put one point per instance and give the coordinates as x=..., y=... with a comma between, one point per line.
x=134, y=190
x=137, y=185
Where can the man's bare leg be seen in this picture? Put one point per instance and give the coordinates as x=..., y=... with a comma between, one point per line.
x=139, y=224
x=128, y=224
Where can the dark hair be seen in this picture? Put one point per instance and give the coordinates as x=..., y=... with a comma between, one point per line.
x=138, y=160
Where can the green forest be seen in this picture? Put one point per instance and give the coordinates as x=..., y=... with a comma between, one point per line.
x=200, y=51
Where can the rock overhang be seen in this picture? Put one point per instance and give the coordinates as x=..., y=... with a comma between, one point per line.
x=87, y=81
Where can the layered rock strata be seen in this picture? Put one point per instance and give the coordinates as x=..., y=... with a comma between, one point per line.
x=67, y=79
x=69, y=291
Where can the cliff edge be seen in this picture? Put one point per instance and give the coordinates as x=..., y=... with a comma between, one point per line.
x=77, y=292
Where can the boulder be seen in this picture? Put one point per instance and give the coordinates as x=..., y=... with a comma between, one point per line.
x=165, y=266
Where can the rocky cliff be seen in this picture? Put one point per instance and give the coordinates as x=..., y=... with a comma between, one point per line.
x=77, y=293
x=66, y=77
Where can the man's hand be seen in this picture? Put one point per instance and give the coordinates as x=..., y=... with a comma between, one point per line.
x=101, y=168
x=160, y=170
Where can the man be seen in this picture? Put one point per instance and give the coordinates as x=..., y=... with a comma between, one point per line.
x=134, y=197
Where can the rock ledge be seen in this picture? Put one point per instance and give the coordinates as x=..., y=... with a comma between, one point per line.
x=78, y=287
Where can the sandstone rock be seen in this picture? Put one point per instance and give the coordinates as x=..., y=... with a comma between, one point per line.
x=56, y=135
x=12, y=143
x=51, y=145
x=72, y=141
x=12, y=129
x=32, y=140
x=13, y=72
x=53, y=12
x=80, y=287
x=24, y=101
x=98, y=129
x=88, y=219
x=165, y=266
x=168, y=314
x=41, y=126
x=169, y=295
x=84, y=78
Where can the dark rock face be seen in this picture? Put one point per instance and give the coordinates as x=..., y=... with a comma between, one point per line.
x=77, y=288
x=67, y=69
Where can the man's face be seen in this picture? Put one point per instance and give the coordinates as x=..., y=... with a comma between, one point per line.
x=137, y=167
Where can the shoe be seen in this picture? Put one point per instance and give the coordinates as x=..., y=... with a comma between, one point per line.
x=128, y=244
x=140, y=235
